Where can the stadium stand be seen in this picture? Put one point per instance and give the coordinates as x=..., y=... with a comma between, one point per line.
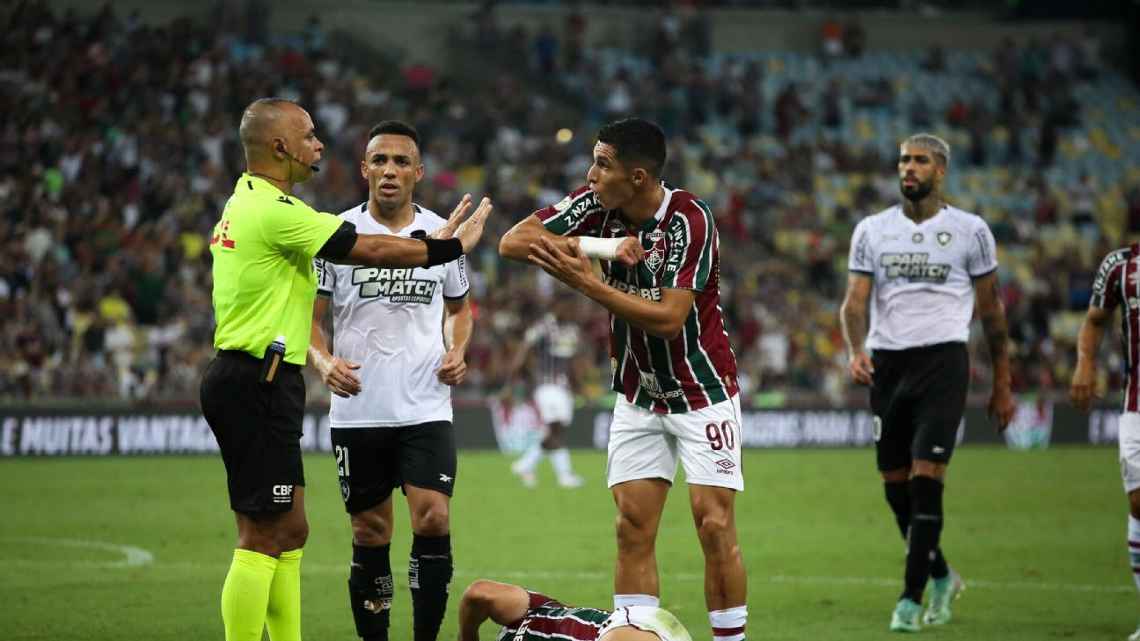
x=119, y=144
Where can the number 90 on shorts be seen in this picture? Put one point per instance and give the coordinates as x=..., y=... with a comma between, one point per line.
x=706, y=442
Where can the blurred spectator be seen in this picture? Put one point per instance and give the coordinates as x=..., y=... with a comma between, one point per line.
x=831, y=39
x=790, y=111
x=546, y=50
x=854, y=38
x=935, y=60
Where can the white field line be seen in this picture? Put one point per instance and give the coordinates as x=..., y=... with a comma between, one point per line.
x=134, y=557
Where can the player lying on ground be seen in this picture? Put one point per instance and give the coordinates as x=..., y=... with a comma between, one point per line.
x=530, y=616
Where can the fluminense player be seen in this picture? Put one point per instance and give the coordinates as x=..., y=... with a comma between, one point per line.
x=530, y=616
x=399, y=341
x=553, y=341
x=921, y=264
x=1117, y=284
x=673, y=368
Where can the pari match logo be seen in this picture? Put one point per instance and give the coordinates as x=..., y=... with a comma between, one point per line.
x=397, y=285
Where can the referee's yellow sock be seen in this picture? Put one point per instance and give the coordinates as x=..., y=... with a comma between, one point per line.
x=245, y=595
x=284, y=613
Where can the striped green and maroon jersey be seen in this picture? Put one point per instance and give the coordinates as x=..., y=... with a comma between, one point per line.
x=695, y=369
x=547, y=619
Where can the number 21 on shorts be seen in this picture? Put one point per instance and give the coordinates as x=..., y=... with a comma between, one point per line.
x=341, y=452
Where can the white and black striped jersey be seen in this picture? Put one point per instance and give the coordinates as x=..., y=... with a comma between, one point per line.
x=923, y=291
x=391, y=322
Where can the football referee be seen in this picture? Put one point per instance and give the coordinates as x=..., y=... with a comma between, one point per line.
x=922, y=263
x=252, y=393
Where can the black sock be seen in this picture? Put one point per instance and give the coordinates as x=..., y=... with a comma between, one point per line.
x=370, y=591
x=898, y=497
x=925, y=528
x=429, y=574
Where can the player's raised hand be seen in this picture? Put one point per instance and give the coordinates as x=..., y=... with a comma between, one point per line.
x=861, y=368
x=564, y=261
x=471, y=230
x=456, y=217
x=630, y=252
x=1002, y=407
x=340, y=377
x=1082, y=390
x=453, y=369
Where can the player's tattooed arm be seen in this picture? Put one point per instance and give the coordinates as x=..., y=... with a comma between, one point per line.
x=515, y=244
x=1082, y=389
x=663, y=317
x=853, y=318
x=992, y=314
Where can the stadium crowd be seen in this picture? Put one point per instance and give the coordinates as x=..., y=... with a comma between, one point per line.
x=118, y=147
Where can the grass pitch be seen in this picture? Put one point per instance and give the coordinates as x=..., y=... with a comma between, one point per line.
x=123, y=549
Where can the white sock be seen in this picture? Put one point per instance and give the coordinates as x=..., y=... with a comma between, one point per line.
x=1134, y=548
x=728, y=625
x=560, y=459
x=628, y=600
x=529, y=460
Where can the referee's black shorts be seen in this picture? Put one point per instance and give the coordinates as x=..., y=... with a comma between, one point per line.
x=258, y=428
x=918, y=397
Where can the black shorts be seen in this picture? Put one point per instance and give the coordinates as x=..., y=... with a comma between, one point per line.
x=372, y=461
x=258, y=429
x=918, y=397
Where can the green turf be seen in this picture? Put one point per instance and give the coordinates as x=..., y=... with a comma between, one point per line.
x=1039, y=536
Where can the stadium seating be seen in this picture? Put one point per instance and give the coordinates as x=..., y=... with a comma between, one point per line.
x=105, y=276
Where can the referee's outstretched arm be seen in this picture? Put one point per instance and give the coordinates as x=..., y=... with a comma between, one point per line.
x=458, y=237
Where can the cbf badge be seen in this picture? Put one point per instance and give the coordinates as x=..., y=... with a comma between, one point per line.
x=655, y=255
x=344, y=491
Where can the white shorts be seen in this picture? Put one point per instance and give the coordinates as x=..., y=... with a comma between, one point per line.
x=644, y=445
x=644, y=617
x=555, y=404
x=1129, y=435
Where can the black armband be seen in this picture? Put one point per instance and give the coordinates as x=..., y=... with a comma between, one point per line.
x=340, y=243
x=443, y=251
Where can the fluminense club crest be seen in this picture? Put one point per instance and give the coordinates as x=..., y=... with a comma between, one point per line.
x=655, y=255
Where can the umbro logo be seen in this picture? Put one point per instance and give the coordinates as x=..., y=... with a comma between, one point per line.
x=445, y=478
x=725, y=466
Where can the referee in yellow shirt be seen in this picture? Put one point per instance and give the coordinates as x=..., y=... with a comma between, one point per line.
x=252, y=393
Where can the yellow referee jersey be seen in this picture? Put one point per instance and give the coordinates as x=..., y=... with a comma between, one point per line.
x=264, y=282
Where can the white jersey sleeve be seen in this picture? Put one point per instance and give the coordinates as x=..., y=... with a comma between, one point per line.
x=982, y=256
x=862, y=256
x=326, y=276
x=455, y=283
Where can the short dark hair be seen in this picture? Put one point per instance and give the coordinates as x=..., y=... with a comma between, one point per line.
x=636, y=141
x=397, y=128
